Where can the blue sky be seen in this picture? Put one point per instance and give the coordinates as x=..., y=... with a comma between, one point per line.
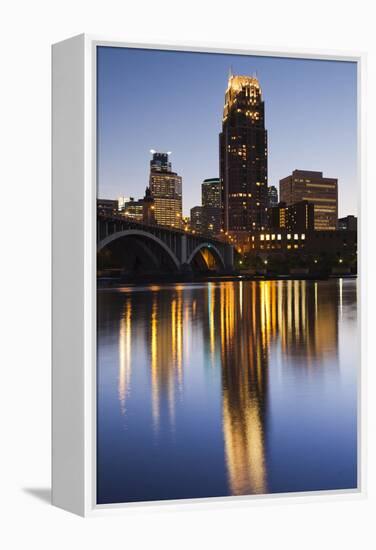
x=173, y=101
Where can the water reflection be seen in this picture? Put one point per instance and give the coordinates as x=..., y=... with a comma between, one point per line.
x=240, y=326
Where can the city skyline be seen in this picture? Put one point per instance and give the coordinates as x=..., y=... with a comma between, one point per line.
x=174, y=101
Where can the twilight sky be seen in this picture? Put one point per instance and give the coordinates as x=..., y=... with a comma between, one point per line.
x=173, y=101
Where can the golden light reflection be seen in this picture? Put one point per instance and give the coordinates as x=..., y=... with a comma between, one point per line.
x=166, y=353
x=125, y=339
x=266, y=314
x=241, y=324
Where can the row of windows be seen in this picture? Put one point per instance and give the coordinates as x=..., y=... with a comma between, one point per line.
x=278, y=237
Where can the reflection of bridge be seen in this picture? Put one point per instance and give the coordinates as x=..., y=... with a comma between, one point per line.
x=159, y=247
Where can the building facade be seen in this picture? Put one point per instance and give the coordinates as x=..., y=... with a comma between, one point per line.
x=243, y=156
x=133, y=209
x=211, y=205
x=299, y=216
x=166, y=190
x=148, y=210
x=322, y=192
x=272, y=196
x=107, y=207
x=348, y=223
x=196, y=223
x=308, y=242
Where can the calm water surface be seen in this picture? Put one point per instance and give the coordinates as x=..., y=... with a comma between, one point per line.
x=226, y=388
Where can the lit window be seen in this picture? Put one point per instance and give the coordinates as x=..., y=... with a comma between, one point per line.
x=267, y=237
x=262, y=237
x=273, y=237
x=303, y=236
x=296, y=237
x=279, y=237
x=288, y=236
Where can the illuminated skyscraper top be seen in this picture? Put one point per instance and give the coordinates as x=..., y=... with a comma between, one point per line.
x=160, y=162
x=166, y=191
x=243, y=156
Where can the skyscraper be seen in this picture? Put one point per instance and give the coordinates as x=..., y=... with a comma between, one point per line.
x=211, y=205
x=196, y=219
x=272, y=196
x=243, y=156
x=296, y=217
x=148, y=210
x=166, y=190
x=304, y=185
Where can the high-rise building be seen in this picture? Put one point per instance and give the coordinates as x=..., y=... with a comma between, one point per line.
x=133, y=209
x=243, y=156
x=148, y=211
x=107, y=207
x=211, y=205
x=196, y=219
x=310, y=186
x=348, y=223
x=296, y=217
x=272, y=196
x=166, y=190
x=300, y=216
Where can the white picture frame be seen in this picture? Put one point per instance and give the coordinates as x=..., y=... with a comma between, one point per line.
x=74, y=278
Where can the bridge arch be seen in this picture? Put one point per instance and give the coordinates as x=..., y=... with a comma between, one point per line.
x=212, y=249
x=138, y=233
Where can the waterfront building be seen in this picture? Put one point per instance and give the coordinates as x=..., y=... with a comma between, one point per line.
x=348, y=223
x=148, y=210
x=243, y=157
x=272, y=196
x=304, y=185
x=327, y=242
x=133, y=209
x=186, y=223
x=121, y=201
x=166, y=190
x=196, y=223
x=211, y=205
x=107, y=207
x=296, y=217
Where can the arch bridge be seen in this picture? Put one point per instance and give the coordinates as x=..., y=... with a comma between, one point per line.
x=155, y=247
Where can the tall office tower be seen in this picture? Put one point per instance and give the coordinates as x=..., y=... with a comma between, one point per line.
x=196, y=219
x=243, y=156
x=304, y=185
x=148, y=208
x=166, y=190
x=348, y=223
x=272, y=196
x=211, y=205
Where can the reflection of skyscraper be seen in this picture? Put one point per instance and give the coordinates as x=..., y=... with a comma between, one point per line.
x=166, y=190
x=166, y=350
x=243, y=156
x=241, y=326
x=244, y=379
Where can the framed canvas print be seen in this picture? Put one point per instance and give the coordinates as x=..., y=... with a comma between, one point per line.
x=206, y=274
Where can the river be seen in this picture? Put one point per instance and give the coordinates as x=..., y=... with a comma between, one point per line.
x=226, y=388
